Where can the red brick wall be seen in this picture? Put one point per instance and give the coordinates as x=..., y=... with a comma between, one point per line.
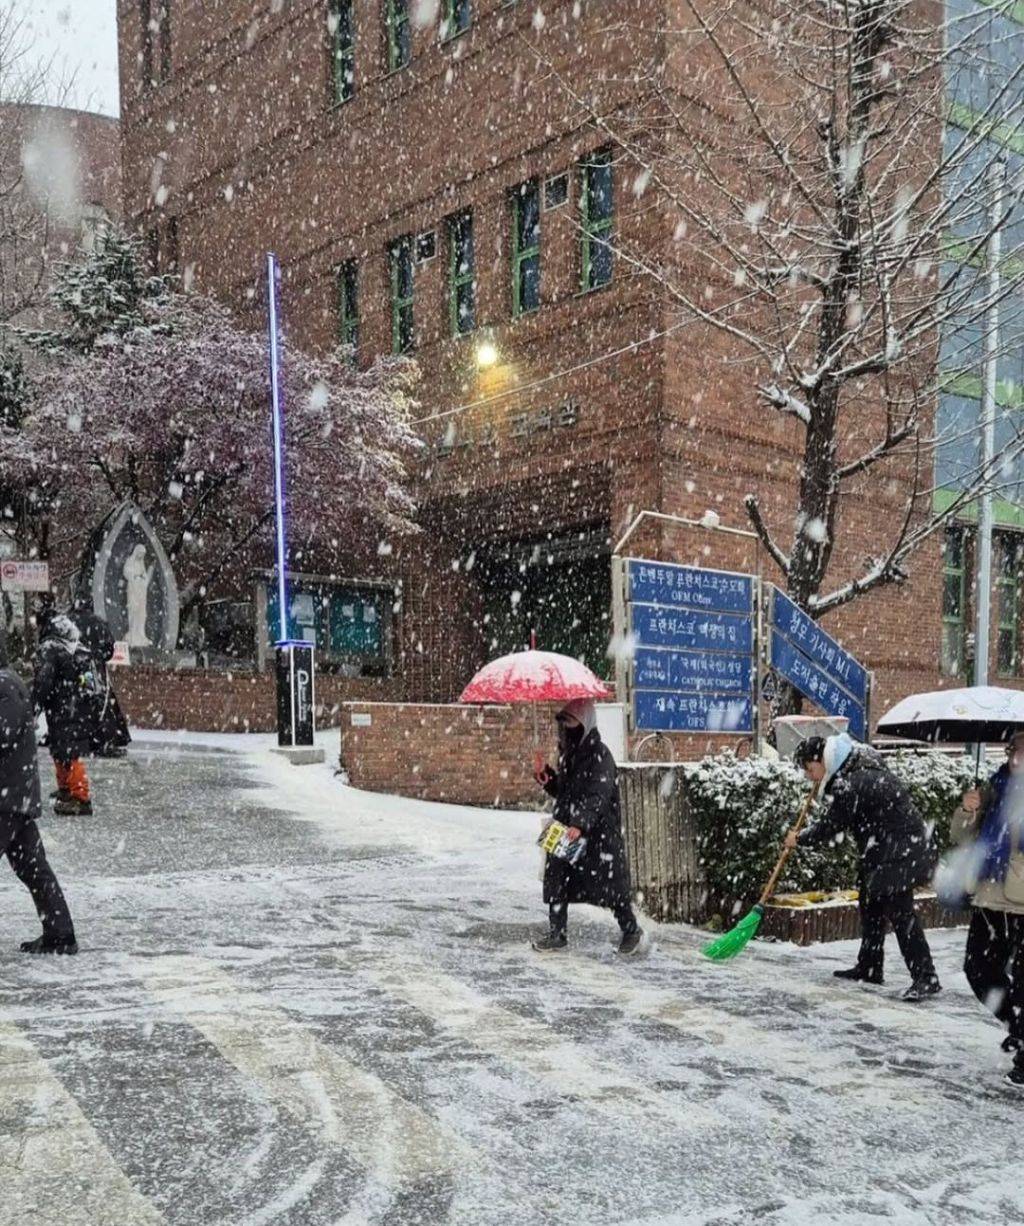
x=214, y=701
x=467, y=755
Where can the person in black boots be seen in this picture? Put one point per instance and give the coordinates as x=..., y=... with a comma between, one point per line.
x=586, y=794
x=871, y=805
x=990, y=821
x=19, y=809
x=112, y=738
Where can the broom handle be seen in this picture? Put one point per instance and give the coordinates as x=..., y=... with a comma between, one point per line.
x=780, y=864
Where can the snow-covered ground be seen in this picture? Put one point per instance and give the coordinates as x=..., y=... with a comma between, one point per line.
x=299, y=1003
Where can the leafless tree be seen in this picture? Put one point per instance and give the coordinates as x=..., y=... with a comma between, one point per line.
x=824, y=187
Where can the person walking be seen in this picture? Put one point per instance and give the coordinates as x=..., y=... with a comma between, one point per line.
x=20, y=808
x=586, y=795
x=992, y=819
x=112, y=736
x=871, y=805
x=65, y=688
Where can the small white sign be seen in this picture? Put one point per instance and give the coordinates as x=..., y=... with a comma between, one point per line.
x=122, y=654
x=25, y=576
x=362, y=719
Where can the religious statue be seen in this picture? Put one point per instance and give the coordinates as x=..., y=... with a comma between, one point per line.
x=137, y=579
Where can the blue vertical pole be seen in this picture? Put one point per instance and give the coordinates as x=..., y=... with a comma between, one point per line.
x=275, y=399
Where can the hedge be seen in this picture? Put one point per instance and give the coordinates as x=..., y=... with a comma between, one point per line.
x=743, y=808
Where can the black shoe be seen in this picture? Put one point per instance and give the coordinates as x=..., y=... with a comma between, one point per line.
x=60, y=794
x=551, y=944
x=1015, y=1077
x=631, y=942
x=1012, y=1043
x=73, y=808
x=921, y=989
x=50, y=945
x=859, y=975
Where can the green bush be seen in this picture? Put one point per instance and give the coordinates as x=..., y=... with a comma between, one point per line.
x=743, y=808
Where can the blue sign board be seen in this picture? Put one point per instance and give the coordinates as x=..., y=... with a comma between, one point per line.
x=694, y=712
x=816, y=685
x=696, y=631
x=689, y=587
x=693, y=672
x=820, y=648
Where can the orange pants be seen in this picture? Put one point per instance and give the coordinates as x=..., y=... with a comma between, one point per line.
x=71, y=777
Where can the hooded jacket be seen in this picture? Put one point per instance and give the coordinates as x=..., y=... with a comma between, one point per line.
x=870, y=804
x=586, y=793
x=66, y=689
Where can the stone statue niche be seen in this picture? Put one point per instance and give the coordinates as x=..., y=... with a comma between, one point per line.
x=130, y=583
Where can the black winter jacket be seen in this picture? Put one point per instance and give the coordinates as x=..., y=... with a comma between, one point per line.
x=72, y=712
x=19, y=767
x=871, y=805
x=586, y=793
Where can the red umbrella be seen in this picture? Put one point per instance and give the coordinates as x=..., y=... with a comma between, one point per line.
x=534, y=676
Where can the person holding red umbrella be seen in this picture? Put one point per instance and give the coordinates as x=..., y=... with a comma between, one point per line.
x=586, y=794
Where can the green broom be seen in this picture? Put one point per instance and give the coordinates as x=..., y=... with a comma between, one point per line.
x=735, y=940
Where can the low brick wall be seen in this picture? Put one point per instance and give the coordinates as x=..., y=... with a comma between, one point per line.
x=466, y=755
x=215, y=700
x=841, y=922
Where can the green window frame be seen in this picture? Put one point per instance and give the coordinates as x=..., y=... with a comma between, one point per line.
x=1008, y=661
x=456, y=17
x=461, y=274
x=343, y=51
x=597, y=216
x=398, y=32
x=348, y=304
x=401, y=269
x=954, y=601
x=525, y=248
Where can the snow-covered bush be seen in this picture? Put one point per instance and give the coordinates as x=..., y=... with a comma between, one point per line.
x=743, y=808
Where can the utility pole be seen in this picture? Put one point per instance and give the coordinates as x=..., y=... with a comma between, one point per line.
x=983, y=584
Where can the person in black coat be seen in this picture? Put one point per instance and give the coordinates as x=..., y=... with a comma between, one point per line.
x=19, y=811
x=66, y=689
x=112, y=735
x=896, y=853
x=586, y=794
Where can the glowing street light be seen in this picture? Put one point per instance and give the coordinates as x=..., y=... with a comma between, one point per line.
x=486, y=355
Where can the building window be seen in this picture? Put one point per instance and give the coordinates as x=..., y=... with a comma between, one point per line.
x=95, y=222
x=400, y=261
x=1009, y=561
x=525, y=248
x=398, y=32
x=954, y=601
x=462, y=281
x=348, y=304
x=596, y=207
x=456, y=17
x=343, y=50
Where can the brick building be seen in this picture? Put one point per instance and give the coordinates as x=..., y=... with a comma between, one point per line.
x=430, y=186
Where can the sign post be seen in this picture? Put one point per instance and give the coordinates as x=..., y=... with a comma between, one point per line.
x=296, y=709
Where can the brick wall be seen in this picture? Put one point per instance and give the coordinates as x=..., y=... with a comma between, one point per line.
x=467, y=755
x=209, y=700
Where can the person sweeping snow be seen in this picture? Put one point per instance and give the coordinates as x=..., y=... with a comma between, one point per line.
x=870, y=804
x=586, y=793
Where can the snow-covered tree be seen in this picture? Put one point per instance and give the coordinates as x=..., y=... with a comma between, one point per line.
x=825, y=209
x=150, y=394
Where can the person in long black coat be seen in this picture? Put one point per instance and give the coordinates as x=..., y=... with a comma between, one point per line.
x=896, y=853
x=19, y=810
x=586, y=794
x=112, y=735
x=65, y=688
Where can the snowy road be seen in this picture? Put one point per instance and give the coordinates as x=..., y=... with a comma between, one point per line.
x=296, y=1003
